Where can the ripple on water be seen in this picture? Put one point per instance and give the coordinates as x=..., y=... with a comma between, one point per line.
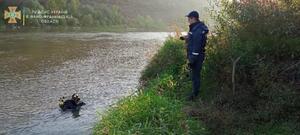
x=100, y=67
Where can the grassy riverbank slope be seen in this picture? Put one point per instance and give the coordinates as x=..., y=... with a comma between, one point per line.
x=158, y=107
x=250, y=79
x=258, y=105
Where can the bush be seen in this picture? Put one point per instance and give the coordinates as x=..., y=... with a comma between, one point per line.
x=259, y=95
x=264, y=35
x=169, y=59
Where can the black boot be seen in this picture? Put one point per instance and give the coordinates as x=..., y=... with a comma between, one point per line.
x=191, y=97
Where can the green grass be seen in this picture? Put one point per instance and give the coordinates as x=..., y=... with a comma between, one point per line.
x=148, y=113
x=262, y=100
x=265, y=100
x=159, y=106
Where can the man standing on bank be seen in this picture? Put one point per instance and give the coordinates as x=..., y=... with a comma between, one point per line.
x=196, y=41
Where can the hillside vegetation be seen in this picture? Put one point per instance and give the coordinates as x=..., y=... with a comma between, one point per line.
x=115, y=14
x=251, y=79
x=252, y=72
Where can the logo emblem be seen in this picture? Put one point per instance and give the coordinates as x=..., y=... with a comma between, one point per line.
x=12, y=15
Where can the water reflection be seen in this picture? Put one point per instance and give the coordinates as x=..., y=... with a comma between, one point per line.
x=76, y=111
x=37, y=69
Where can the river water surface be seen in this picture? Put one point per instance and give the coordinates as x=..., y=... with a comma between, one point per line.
x=37, y=69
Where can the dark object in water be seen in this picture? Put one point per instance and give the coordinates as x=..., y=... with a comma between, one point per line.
x=70, y=104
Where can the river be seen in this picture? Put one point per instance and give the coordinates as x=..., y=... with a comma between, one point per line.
x=36, y=69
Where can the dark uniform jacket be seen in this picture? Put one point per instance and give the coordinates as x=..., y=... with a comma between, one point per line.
x=196, y=41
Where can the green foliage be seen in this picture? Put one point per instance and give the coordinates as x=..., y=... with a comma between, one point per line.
x=33, y=4
x=2, y=27
x=62, y=22
x=1, y=24
x=87, y=20
x=97, y=15
x=103, y=15
x=107, y=15
x=31, y=22
x=169, y=59
x=73, y=22
x=100, y=15
x=147, y=22
x=264, y=34
x=284, y=128
x=56, y=4
x=145, y=114
x=73, y=6
x=3, y=7
x=156, y=109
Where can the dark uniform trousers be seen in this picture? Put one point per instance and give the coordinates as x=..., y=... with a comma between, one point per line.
x=196, y=74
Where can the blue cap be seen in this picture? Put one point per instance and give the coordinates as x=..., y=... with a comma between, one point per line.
x=193, y=14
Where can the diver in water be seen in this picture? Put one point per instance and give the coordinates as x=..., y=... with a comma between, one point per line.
x=70, y=104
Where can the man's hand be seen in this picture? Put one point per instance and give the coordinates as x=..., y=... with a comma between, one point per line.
x=183, y=38
x=190, y=65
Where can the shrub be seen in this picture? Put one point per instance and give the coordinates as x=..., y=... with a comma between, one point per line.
x=169, y=59
x=262, y=37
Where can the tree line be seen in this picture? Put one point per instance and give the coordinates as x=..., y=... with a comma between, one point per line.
x=83, y=14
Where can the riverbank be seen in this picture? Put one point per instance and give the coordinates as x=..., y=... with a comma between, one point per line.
x=108, y=28
x=160, y=107
x=250, y=79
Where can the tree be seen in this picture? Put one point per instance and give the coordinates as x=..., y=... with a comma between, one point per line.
x=3, y=5
x=56, y=4
x=62, y=22
x=73, y=6
x=87, y=20
x=73, y=22
x=33, y=4
x=31, y=22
